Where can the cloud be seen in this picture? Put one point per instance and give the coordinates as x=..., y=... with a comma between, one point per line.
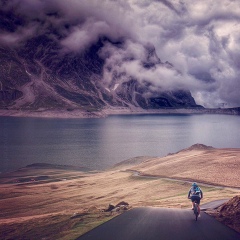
x=83, y=36
x=128, y=62
x=200, y=38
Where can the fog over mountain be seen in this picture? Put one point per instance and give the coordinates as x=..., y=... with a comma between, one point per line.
x=167, y=45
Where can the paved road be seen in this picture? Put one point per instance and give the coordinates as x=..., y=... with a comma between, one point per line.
x=213, y=204
x=148, y=223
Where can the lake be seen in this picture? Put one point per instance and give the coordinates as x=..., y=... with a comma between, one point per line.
x=101, y=143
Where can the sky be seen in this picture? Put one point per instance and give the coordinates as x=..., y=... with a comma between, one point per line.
x=200, y=38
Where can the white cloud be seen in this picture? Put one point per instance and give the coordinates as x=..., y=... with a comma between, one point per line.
x=85, y=35
x=200, y=38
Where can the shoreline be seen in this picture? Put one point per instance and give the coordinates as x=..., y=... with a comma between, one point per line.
x=79, y=114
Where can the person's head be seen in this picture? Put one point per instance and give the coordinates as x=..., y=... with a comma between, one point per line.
x=194, y=185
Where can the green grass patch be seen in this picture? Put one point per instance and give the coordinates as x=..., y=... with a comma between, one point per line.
x=61, y=227
x=84, y=225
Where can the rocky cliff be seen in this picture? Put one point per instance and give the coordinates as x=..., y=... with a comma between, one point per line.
x=38, y=75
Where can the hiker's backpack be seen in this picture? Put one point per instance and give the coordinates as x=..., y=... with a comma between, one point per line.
x=197, y=191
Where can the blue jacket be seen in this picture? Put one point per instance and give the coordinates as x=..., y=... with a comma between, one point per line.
x=195, y=191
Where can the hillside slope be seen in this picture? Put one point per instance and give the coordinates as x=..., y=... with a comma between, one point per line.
x=197, y=163
x=39, y=201
x=229, y=213
x=39, y=73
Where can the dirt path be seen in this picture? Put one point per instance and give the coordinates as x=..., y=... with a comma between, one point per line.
x=139, y=174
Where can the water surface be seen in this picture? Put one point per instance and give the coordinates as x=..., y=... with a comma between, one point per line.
x=100, y=143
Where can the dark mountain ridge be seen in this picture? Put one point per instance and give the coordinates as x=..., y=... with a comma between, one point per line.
x=72, y=81
x=36, y=74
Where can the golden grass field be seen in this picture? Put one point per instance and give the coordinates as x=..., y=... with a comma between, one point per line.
x=38, y=203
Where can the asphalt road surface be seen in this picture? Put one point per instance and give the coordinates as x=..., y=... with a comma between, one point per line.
x=148, y=223
x=213, y=204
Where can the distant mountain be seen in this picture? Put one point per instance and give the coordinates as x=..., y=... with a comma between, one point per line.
x=37, y=75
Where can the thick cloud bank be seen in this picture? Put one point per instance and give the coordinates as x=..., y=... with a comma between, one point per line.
x=200, y=38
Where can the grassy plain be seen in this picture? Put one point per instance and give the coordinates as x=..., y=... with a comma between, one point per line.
x=49, y=203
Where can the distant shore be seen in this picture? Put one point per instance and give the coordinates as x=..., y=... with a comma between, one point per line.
x=76, y=113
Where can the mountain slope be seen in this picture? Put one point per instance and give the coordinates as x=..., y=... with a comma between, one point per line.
x=197, y=163
x=38, y=74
